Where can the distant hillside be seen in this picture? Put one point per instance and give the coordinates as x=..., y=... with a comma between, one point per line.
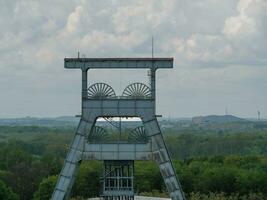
x=63, y=121
x=66, y=121
x=216, y=119
x=32, y=121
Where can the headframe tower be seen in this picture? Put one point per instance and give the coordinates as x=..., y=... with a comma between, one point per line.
x=145, y=143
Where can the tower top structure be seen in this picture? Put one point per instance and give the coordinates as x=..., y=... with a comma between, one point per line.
x=144, y=142
x=117, y=63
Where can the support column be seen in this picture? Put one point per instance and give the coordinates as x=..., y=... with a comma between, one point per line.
x=68, y=173
x=84, y=86
x=163, y=159
x=153, y=85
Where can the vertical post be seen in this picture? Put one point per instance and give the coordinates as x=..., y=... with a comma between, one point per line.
x=153, y=85
x=119, y=139
x=104, y=177
x=128, y=175
x=111, y=177
x=84, y=86
x=132, y=175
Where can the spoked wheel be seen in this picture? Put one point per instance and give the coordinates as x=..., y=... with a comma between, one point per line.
x=98, y=134
x=137, y=90
x=138, y=135
x=100, y=90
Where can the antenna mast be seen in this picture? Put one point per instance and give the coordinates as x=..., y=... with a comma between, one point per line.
x=226, y=111
x=152, y=46
x=259, y=115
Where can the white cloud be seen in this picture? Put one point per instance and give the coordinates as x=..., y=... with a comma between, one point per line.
x=217, y=45
x=74, y=20
x=243, y=23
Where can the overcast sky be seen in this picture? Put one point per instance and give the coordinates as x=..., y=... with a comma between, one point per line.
x=219, y=47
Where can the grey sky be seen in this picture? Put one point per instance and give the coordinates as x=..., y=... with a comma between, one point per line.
x=220, y=51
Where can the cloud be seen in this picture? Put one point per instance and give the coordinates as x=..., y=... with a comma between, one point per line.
x=219, y=48
x=241, y=24
x=74, y=20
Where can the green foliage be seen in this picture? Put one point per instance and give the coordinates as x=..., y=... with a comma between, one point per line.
x=224, y=165
x=184, y=146
x=46, y=188
x=147, y=177
x=22, y=170
x=87, y=183
x=234, y=174
x=155, y=193
x=12, y=154
x=6, y=193
x=223, y=196
x=51, y=163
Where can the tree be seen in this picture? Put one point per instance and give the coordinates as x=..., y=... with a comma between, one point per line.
x=148, y=177
x=6, y=193
x=51, y=163
x=87, y=183
x=46, y=188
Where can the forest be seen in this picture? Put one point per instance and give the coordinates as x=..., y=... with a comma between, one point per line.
x=210, y=164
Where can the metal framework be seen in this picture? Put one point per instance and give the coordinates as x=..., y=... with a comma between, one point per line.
x=101, y=90
x=137, y=90
x=117, y=180
x=144, y=143
x=98, y=134
x=138, y=135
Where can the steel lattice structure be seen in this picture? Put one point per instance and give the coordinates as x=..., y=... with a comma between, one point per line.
x=144, y=143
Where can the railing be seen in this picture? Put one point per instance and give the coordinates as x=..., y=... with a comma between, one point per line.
x=120, y=97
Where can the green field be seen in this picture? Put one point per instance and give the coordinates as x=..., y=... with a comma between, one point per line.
x=211, y=165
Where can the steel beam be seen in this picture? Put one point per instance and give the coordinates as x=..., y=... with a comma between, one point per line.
x=117, y=151
x=117, y=63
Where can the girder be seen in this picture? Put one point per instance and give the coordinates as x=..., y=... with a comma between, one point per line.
x=117, y=63
x=119, y=151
